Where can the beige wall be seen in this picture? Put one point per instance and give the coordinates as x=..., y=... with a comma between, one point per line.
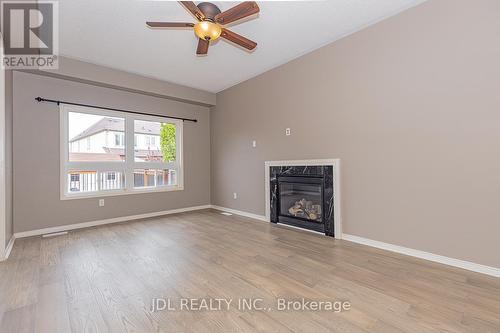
x=99, y=75
x=3, y=186
x=8, y=157
x=6, y=154
x=411, y=106
x=37, y=201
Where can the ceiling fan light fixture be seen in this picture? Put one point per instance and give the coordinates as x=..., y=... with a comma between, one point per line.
x=207, y=30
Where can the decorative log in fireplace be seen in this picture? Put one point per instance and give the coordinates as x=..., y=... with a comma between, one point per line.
x=306, y=209
x=302, y=196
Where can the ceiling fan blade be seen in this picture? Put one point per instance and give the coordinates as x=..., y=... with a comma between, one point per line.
x=237, y=12
x=193, y=9
x=238, y=39
x=169, y=25
x=202, y=46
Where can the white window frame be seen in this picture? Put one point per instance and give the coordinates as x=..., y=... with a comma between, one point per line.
x=127, y=166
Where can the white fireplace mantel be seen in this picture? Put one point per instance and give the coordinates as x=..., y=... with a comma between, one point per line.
x=335, y=163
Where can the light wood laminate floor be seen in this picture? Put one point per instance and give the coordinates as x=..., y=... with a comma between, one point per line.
x=103, y=280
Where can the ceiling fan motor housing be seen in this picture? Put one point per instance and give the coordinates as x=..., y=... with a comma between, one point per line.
x=209, y=10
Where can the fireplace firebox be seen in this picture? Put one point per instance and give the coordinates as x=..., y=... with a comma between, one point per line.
x=302, y=196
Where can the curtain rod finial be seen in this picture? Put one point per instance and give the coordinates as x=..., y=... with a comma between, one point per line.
x=38, y=99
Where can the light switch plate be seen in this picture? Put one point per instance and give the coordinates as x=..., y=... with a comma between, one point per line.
x=254, y=143
x=101, y=202
x=288, y=131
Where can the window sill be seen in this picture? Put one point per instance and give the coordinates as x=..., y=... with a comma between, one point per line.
x=91, y=195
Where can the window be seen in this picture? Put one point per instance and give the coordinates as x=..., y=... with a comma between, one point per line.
x=108, y=165
x=119, y=139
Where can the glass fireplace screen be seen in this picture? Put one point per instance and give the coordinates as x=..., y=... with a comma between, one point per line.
x=301, y=201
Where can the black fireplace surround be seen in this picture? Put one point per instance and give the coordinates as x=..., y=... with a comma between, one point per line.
x=302, y=196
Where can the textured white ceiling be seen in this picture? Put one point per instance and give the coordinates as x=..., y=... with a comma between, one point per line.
x=113, y=33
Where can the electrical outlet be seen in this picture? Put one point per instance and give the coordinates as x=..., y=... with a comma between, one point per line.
x=288, y=132
x=101, y=202
x=254, y=143
x=235, y=195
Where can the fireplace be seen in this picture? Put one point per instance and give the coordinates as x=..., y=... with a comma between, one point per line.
x=302, y=196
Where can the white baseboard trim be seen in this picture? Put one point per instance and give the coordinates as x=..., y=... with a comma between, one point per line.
x=478, y=268
x=54, y=234
x=62, y=228
x=241, y=213
x=8, y=248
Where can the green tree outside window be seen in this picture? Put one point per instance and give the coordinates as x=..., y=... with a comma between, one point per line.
x=167, y=142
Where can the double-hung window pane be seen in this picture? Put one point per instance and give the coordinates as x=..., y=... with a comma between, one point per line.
x=96, y=155
x=155, y=154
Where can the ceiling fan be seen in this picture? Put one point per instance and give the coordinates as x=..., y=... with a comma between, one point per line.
x=212, y=21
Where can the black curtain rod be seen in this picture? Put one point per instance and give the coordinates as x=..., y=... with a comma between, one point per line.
x=40, y=99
